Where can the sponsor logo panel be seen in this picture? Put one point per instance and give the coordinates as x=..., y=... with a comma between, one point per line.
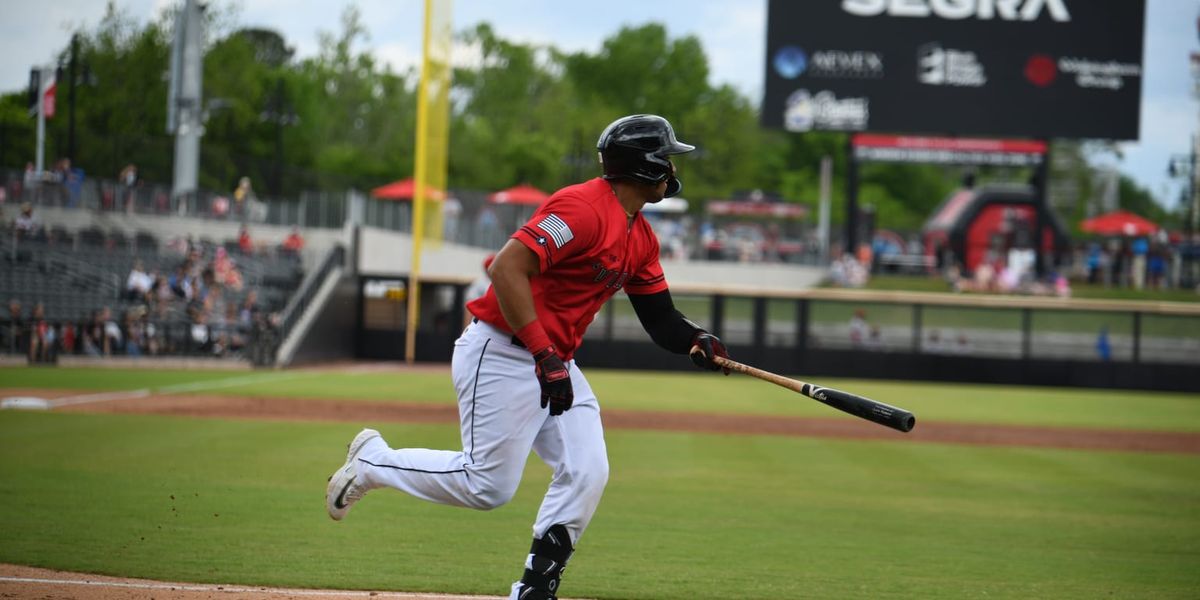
x=954, y=10
x=949, y=67
x=806, y=111
x=1042, y=70
x=792, y=61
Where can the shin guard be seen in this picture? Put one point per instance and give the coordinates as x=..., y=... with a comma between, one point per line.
x=547, y=558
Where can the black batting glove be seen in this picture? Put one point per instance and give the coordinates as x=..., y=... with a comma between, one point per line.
x=706, y=347
x=555, y=381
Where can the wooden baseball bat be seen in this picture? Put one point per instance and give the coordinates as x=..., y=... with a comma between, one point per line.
x=865, y=408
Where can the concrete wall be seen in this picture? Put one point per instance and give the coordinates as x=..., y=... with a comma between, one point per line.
x=166, y=227
x=387, y=253
x=384, y=252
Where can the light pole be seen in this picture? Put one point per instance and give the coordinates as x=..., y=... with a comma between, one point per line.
x=1183, y=166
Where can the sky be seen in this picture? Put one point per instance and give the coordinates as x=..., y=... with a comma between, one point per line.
x=732, y=32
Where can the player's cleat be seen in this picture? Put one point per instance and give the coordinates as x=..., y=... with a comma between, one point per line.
x=343, y=490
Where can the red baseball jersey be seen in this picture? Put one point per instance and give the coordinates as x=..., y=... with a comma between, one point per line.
x=588, y=249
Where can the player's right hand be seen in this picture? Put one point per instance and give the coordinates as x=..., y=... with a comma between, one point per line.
x=706, y=347
x=555, y=381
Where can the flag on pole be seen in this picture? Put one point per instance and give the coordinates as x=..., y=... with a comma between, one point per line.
x=48, y=101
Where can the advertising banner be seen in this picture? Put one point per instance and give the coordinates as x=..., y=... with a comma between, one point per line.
x=1012, y=68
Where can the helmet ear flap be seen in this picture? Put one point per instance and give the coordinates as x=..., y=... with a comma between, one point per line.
x=674, y=186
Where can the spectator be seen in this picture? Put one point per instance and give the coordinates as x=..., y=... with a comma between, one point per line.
x=199, y=334
x=248, y=311
x=245, y=244
x=875, y=341
x=220, y=207
x=225, y=272
x=161, y=295
x=1062, y=286
x=477, y=288
x=293, y=243
x=135, y=331
x=859, y=328
x=128, y=179
x=139, y=283
x=1093, y=263
x=1139, y=249
x=68, y=337
x=1103, y=348
x=62, y=177
x=39, y=334
x=243, y=195
x=934, y=343
x=92, y=338
x=111, y=331
x=26, y=224
x=16, y=327
x=451, y=211
x=178, y=282
x=31, y=181
x=1156, y=269
x=481, y=283
x=235, y=337
x=964, y=344
x=846, y=271
x=150, y=333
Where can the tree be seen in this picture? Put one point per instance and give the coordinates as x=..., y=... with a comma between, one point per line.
x=639, y=70
x=508, y=122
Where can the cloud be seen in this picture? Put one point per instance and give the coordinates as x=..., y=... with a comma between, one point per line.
x=737, y=48
x=1167, y=125
x=398, y=55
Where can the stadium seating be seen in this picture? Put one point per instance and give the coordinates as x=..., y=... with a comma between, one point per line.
x=73, y=274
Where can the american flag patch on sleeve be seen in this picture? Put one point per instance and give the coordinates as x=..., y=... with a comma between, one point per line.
x=557, y=229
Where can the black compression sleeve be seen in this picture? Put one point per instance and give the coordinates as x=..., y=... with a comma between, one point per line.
x=666, y=325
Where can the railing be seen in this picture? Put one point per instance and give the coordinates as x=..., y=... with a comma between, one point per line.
x=471, y=220
x=309, y=209
x=301, y=299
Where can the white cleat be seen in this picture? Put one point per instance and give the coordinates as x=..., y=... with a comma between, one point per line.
x=343, y=490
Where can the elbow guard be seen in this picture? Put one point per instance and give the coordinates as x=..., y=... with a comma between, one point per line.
x=666, y=325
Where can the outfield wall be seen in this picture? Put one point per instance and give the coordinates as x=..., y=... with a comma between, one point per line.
x=902, y=335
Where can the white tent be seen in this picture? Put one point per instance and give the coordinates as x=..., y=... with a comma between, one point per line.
x=667, y=205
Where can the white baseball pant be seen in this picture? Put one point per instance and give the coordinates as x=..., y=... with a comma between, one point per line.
x=501, y=419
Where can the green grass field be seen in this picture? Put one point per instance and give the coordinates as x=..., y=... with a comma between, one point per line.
x=684, y=516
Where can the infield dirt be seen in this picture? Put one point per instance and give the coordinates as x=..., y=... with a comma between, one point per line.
x=374, y=413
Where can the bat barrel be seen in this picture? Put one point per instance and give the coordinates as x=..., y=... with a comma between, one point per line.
x=876, y=412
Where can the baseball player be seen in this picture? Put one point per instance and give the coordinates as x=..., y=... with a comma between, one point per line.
x=517, y=383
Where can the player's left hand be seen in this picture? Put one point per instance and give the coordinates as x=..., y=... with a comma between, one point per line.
x=705, y=347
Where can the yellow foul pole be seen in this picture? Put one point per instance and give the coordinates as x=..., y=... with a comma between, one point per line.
x=429, y=172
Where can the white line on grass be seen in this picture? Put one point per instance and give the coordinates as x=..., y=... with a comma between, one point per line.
x=213, y=384
x=210, y=384
x=100, y=397
x=237, y=590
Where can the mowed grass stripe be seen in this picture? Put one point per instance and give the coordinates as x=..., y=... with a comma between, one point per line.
x=692, y=392
x=685, y=515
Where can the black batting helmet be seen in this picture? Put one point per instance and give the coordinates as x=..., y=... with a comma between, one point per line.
x=637, y=147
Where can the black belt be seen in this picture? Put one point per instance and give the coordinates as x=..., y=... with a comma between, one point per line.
x=516, y=341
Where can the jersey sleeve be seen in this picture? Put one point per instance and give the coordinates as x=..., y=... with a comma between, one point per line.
x=564, y=226
x=649, y=279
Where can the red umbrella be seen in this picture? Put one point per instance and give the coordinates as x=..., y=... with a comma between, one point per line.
x=404, y=189
x=1118, y=222
x=519, y=194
